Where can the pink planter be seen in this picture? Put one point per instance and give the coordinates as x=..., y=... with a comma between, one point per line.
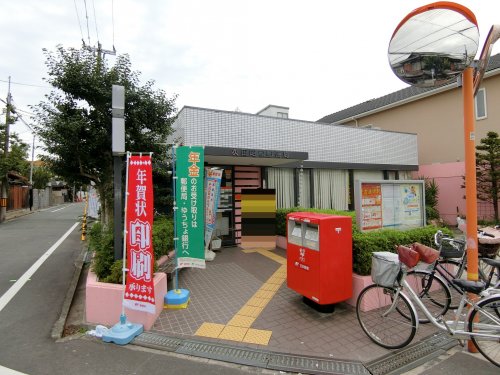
x=281, y=242
x=103, y=302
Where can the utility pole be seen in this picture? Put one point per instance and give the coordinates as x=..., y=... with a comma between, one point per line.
x=4, y=197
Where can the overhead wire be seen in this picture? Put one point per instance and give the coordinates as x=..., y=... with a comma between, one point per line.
x=87, y=17
x=95, y=22
x=79, y=23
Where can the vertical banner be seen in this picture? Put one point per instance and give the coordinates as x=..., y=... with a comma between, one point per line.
x=189, y=201
x=139, y=288
x=212, y=192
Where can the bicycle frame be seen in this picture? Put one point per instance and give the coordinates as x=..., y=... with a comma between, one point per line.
x=451, y=325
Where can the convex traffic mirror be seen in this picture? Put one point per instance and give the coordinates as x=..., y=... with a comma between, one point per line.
x=433, y=44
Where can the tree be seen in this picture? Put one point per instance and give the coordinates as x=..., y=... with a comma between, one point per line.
x=75, y=120
x=488, y=170
x=41, y=177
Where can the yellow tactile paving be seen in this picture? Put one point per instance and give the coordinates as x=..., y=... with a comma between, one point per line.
x=270, y=287
x=210, y=330
x=238, y=328
x=241, y=321
x=233, y=333
x=258, y=302
x=250, y=311
x=257, y=336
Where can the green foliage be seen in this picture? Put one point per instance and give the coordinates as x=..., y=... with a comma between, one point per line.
x=16, y=158
x=282, y=212
x=163, y=236
x=488, y=170
x=365, y=243
x=431, y=198
x=75, y=121
x=101, y=243
x=41, y=176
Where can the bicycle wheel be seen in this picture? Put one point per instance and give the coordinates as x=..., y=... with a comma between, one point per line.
x=484, y=273
x=432, y=291
x=485, y=319
x=381, y=321
x=451, y=269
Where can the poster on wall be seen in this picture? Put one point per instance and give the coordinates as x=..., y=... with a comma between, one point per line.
x=139, y=287
x=371, y=203
x=390, y=204
x=189, y=215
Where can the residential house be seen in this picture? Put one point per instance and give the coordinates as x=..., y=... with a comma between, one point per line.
x=436, y=116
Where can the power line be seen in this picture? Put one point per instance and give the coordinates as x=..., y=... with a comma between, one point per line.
x=79, y=23
x=25, y=84
x=87, y=17
x=113, y=21
x=95, y=21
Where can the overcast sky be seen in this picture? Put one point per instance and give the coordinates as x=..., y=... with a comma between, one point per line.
x=316, y=57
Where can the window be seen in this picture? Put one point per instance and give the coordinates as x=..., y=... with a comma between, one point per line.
x=480, y=104
x=282, y=114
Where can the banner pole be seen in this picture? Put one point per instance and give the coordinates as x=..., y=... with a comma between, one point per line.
x=123, y=332
x=174, y=177
x=124, y=257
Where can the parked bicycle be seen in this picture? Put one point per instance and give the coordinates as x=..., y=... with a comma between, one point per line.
x=452, y=263
x=387, y=314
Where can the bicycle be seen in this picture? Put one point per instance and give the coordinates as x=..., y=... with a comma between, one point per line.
x=452, y=264
x=387, y=313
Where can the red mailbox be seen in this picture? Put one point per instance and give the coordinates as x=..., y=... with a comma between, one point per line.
x=319, y=256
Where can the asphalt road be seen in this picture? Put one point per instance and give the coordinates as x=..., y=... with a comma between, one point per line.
x=36, y=268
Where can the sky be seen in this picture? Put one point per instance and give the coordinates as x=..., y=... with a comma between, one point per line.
x=316, y=57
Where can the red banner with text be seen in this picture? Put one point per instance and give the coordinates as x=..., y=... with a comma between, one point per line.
x=139, y=289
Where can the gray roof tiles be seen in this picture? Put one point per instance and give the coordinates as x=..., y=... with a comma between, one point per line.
x=392, y=98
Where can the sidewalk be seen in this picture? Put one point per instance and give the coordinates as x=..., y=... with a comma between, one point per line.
x=241, y=311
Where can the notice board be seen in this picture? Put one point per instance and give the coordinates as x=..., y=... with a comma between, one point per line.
x=398, y=204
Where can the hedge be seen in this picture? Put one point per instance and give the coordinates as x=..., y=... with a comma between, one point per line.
x=101, y=244
x=365, y=243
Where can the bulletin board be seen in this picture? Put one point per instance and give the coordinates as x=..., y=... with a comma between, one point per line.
x=398, y=204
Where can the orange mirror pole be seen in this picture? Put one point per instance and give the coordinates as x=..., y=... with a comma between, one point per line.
x=470, y=172
x=470, y=180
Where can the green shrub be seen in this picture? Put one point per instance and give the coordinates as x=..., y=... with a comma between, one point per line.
x=365, y=243
x=101, y=243
x=163, y=236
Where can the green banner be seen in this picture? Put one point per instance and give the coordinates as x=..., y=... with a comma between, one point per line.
x=189, y=215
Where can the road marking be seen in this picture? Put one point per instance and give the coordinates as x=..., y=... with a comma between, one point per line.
x=9, y=294
x=59, y=209
x=8, y=371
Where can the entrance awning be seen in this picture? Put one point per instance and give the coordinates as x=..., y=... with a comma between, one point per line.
x=252, y=156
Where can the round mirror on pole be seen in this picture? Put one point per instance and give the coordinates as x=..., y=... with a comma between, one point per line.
x=433, y=44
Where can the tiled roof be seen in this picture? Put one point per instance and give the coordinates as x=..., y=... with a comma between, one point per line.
x=392, y=98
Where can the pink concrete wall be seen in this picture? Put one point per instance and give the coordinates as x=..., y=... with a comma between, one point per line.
x=103, y=302
x=448, y=177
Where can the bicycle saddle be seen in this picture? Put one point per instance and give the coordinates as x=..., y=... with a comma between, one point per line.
x=475, y=287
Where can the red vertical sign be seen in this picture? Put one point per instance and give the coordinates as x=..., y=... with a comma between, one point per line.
x=139, y=289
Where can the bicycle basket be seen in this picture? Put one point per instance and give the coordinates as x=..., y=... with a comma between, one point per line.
x=385, y=268
x=452, y=248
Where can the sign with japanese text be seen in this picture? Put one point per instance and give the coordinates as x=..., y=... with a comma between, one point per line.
x=398, y=204
x=212, y=192
x=139, y=288
x=189, y=215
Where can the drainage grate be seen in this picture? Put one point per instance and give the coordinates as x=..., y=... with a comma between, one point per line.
x=412, y=356
x=312, y=365
x=225, y=353
x=151, y=340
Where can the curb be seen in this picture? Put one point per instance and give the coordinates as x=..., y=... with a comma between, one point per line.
x=58, y=328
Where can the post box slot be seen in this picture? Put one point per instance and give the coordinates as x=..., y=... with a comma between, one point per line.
x=295, y=232
x=311, y=237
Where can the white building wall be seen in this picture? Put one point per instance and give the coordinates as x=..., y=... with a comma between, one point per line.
x=323, y=142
